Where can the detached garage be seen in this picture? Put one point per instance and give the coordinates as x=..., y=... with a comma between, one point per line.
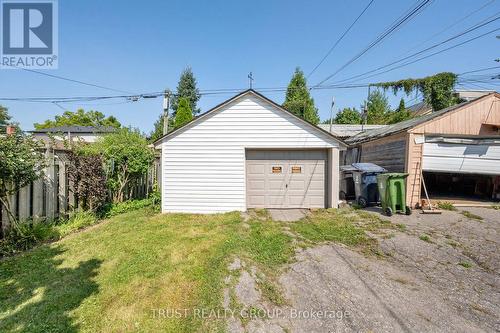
x=457, y=150
x=248, y=152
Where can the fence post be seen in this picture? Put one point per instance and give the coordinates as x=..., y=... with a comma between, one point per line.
x=50, y=190
x=24, y=203
x=63, y=190
x=38, y=199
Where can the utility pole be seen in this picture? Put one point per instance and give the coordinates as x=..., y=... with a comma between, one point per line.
x=365, y=109
x=250, y=80
x=166, y=106
x=331, y=114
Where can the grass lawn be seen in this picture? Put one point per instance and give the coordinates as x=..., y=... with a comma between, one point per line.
x=115, y=276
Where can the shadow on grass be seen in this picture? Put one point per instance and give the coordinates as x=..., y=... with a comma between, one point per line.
x=36, y=295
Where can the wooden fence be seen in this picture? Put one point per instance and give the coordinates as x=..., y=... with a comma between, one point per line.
x=52, y=196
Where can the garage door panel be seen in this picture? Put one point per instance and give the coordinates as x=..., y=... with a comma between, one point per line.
x=461, y=158
x=256, y=169
x=286, y=183
x=256, y=200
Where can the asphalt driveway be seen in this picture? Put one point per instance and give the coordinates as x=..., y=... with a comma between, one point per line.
x=433, y=273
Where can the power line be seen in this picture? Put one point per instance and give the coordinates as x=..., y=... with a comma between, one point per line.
x=73, y=80
x=460, y=20
x=362, y=76
x=479, y=70
x=433, y=54
x=340, y=38
x=471, y=29
x=408, y=16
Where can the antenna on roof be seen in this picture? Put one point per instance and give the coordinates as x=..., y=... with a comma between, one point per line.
x=250, y=79
x=331, y=113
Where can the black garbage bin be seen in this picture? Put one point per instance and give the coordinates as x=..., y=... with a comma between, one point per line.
x=361, y=179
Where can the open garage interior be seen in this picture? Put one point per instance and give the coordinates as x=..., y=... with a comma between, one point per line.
x=462, y=188
x=462, y=170
x=286, y=178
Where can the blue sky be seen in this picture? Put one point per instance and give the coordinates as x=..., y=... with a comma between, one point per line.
x=142, y=46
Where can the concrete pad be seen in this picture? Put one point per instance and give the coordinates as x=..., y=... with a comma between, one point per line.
x=287, y=215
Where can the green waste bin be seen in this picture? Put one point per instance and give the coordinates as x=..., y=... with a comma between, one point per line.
x=392, y=192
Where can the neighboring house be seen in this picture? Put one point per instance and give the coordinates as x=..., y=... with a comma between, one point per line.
x=469, y=95
x=72, y=133
x=345, y=131
x=248, y=152
x=422, y=108
x=419, y=109
x=457, y=148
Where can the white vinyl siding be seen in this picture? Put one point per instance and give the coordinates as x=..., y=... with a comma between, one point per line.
x=204, y=163
x=461, y=158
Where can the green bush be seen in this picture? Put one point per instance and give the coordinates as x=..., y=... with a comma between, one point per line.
x=28, y=234
x=24, y=237
x=76, y=221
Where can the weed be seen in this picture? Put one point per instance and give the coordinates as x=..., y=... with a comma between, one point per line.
x=271, y=292
x=445, y=205
x=465, y=264
x=470, y=215
x=425, y=238
x=401, y=226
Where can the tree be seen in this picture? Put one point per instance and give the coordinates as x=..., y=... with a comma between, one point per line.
x=400, y=114
x=80, y=118
x=348, y=116
x=438, y=90
x=298, y=100
x=186, y=88
x=21, y=163
x=89, y=179
x=4, y=119
x=377, y=108
x=184, y=114
x=126, y=156
x=157, y=129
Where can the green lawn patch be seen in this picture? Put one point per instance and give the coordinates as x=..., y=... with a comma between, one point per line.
x=330, y=225
x=127, y=273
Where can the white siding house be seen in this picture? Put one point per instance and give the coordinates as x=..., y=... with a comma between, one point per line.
x=204, y=163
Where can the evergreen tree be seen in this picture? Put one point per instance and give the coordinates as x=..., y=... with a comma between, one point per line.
x=348, y=116
x=157, y=130
x=184, y=113
x=298, y=100
x=378, y=108
x=186, y=88
x=400, y=114
x=4, y=119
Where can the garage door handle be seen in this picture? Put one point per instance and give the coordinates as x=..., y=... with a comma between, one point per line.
x=286, y=185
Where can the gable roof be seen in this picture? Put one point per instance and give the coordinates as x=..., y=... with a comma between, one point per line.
x=76, y=129
x=410, y=123
x=259, y=95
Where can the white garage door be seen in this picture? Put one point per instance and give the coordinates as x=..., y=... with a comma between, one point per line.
x=285, y=183
x=461, y=158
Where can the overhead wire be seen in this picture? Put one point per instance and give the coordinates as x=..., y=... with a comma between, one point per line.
x=340, y=39
x=413, y=12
